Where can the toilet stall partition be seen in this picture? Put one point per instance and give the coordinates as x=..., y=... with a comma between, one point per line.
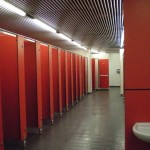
x=68, y=79
x=33, y=86
x=54, y=81
x=93, y=74
x=83, y=75
x=1, y=123
x=86, y=75
x=62, y=80
x=80, y=77
x=74, y=76
x=45, y=81
x=77, y=76
x=12, y=105
x=22, y=91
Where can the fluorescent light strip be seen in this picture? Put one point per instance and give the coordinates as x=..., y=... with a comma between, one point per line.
x=12, y=8
x=9, y=34
x=43, y=25
x=74, y=42
x=84, y=47
x=64, y=37
x=122, y=38
x=30, y=40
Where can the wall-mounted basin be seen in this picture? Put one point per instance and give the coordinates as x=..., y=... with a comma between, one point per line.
x=142, y=131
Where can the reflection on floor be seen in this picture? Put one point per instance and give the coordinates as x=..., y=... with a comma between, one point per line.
x=96, y=123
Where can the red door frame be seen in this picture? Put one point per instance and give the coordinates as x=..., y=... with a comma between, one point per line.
x=1, y=123
x=22, y=91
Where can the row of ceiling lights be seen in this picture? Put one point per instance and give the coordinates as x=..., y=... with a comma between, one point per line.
x=16, y=10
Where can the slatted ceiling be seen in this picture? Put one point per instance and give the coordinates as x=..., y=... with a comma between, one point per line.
x=93, y=23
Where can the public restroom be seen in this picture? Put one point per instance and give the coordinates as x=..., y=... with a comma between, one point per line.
x=74, y=75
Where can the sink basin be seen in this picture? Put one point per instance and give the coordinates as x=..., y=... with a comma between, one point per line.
x=142, y=131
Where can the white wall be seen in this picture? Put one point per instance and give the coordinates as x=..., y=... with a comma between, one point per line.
x=96, y=74
x=114, y=64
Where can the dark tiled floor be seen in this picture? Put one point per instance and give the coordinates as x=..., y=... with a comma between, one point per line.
x=96, y=123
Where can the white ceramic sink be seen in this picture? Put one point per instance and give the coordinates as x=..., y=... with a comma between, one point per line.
x=142, y=131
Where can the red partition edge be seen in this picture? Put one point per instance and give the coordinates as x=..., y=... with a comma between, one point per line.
x=51, y=84
x=39, y=83
x=62, y=82
x=22, y=91
x=72, y=80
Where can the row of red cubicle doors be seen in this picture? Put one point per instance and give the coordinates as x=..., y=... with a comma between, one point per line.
x=36, y=81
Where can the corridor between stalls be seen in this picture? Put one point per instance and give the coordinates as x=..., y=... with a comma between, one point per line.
x=38, y=83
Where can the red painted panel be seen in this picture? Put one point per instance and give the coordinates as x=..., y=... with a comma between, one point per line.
x=136, y=110
x=62, y=81
x=137, y=35
x=93, y=74
x=68, y=78
x=83, y=74
x=31, y=84
x=74, y=76
x=51, y=83
x=39, y=83
x=80, y=76
x=72, y=79
x=86, y=74
x=10, y=87
x=1, y=123
x=55, y=79
x=45, y=81
x=77, y=76
x=22, y=91
x=104, y=73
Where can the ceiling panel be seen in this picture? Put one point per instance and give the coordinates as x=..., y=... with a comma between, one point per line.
x=95, y=24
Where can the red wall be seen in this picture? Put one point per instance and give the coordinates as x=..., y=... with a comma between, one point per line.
x=80, y=77
x=9, y=87
x=68, y=78
x=93, y=74
x=55, y=79
x=31, y=84
x=1, y=123
x=136, y=59
x=74, y=76
x=45, y=81
x=62, y=79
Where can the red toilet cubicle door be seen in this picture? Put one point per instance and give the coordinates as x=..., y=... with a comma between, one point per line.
x=104, y=73
x=1, y=127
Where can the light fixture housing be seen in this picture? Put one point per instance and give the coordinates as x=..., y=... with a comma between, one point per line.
x=43, y=25
x=12, y=8
x=64, y=37
x=7, y=33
